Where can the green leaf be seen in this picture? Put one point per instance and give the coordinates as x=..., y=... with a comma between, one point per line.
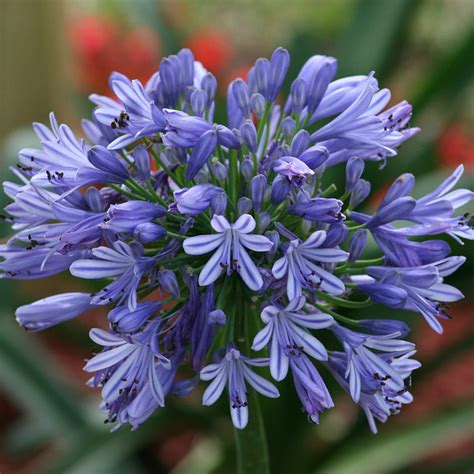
x=104, y=452
x=31, y=380
x=374, y=36
x=448, y=77
x=396, y=450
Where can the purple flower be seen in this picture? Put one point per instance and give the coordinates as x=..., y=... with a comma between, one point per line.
x=365, y=370
x=195, y=200
x=310, y=387
x=125, y=217
x=292, y=168
x=135, y=117
x=435, y=212
x=318, y=210
x=126, y=366
x=419, y=288
x=123, y=320
x=233, y=370
x=301, y=265
x=286, y=333
x=375, y=381
x=47, y=312
x=120, y=261
x=230, y=241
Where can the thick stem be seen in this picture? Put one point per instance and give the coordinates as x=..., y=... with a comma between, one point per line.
x=251, y=442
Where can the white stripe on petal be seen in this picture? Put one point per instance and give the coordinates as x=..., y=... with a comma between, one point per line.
x=109, y=358
x=215, y=388
x=248, y=271
x=257, y=243
x=202, y=244
x=244, y=224
x=260, y=384
x=213, y=269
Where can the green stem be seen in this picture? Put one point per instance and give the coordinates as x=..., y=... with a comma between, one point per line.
x=233, y=177
x=251, y=442
x=343, y=302
x=337, y=316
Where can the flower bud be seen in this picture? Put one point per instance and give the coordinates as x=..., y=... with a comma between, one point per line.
x=217, y=318
x=258, y=187
x=219, y=171
x=287, y=127
x=167, y=280
x=300, y=143
x=384, y=327
x=204, y=148
x=142, y=161
x=209, y=86
x=264, y=219
x=354, y=169
x=246, y=168
x=298, y=96
x=357, y=244
x=314, y=156
x=186, y=60
x=194, y=200
x=244, y=205
x=169, y=75
x=257, y=104
x=249, y=135
x=219, y=203
x=122, y=320
x=360, y=191
x=279, y=65
x=198, y=102
x=149, y=232
x=240, y=90
x=280, y=189
x=262, y=71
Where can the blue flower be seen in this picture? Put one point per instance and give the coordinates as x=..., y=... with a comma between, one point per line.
x=233, y=370
x=121, y=262
x=136, y=115
x=47, y=312
x=126, y=366
x=318, y=209
x=136, y=203
x=310, y=387
x=192, y=201
x=292, y=168
x=300, y=264
x=419, y=288
x=365, y=370
x=286, y=333
x=230, y=241
x=125, y=217
x=435, y=212
x=375, y=381
x=122, y=320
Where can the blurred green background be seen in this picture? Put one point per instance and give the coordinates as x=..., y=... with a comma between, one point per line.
x=55, y=52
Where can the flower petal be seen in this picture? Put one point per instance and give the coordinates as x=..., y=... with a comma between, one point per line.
x=248, y=271
x=215, y=388
x=257, y=243
x=244, y=224
x=260, y=384
x=202, y=244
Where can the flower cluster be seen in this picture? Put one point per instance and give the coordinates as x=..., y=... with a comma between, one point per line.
x=217, y=242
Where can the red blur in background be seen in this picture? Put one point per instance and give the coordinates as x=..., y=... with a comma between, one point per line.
x=102, y=44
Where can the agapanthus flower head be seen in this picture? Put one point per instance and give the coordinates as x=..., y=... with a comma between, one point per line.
x=201, y=232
